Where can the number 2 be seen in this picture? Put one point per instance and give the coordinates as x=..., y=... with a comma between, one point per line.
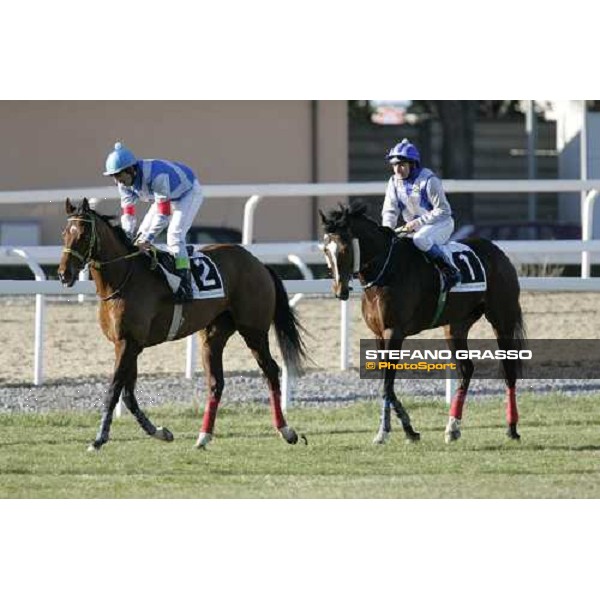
x=204, y=274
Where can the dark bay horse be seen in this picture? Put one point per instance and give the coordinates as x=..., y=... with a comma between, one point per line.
x=137, y=310
x=401, y=292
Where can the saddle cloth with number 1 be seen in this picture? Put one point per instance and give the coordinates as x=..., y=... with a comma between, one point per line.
x=472, y=273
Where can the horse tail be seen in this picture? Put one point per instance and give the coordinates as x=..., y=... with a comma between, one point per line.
x=519, y=335
x=514, y=328
x=503, y=308
x=288, y=329
x=519, y=331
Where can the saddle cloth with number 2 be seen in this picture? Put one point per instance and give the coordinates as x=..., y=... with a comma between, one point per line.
x=206, y=278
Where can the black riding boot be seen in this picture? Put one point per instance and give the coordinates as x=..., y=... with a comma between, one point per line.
x=184, y=291
x=450, y=273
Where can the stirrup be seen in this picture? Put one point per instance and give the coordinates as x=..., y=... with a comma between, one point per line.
x=450, y=275
x=184, y=292
x=451, y=278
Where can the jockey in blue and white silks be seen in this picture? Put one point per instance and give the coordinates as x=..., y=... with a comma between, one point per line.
x=416, y=194
x=174, y=191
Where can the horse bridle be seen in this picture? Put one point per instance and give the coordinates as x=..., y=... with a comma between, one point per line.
x=94, y=241
x=355, y=254
x=96, y=264
x=356, y=260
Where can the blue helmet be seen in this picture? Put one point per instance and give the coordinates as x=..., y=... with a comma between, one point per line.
x=404, y=150
x=120, y=158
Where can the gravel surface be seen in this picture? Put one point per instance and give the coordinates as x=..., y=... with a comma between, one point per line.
x=78, y=360
x=314, y=389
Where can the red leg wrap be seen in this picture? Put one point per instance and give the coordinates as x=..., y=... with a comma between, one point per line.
x=275, y=401
x=512, y=415
x=210, y=413
x=456, y=407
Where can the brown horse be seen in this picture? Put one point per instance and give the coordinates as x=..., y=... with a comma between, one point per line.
x=137, y=310
x=401, y=294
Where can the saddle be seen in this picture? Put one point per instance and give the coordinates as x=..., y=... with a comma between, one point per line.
x=472, y=273
x=206, y=278
x=165, y=259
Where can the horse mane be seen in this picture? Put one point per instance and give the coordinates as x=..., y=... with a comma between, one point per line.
x=338, y=219
x=109, y=220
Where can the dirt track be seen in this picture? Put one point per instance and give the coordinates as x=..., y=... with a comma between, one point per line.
x=75, y=347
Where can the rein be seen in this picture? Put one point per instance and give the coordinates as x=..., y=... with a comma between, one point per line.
x=442, y=298
x=381, y=273
x=120, y=288
x=96, y=264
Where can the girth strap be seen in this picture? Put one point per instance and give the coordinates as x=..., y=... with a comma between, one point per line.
x=175, y=322
x=441, y=301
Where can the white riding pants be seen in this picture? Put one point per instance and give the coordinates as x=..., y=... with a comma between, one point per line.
x=183, y=212
x=436, y=233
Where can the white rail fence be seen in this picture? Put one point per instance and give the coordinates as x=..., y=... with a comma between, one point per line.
x=589, y=190
x=258, y=192
x=41, y=288
x=584, y=251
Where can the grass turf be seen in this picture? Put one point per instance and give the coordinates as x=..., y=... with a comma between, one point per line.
x=44, y=455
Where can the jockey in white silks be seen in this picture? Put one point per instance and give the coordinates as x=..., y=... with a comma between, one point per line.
x=175, y=194
x=416, y=194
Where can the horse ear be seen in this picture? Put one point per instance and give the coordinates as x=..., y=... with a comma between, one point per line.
x=323, y=217
x=69, y=208
x=85, y=205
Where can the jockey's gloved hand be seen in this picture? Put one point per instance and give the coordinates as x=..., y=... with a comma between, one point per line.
x=411, y=226
x=142, y=243
x=402, y=231
x=145, y=246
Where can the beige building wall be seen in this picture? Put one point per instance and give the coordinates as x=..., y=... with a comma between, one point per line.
x=63, y=144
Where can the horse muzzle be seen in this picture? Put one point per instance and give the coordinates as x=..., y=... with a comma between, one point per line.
x=343, y=294
x=341, y=290
x=67, y=280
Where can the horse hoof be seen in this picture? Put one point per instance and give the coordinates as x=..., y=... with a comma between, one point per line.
x=512, y=433
x=412, y=436
x=381, y=437
x=93, y=448
x=203, y=440
x=288, y=434
x=452, y=433
x=163, y=434
x=452, y=436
